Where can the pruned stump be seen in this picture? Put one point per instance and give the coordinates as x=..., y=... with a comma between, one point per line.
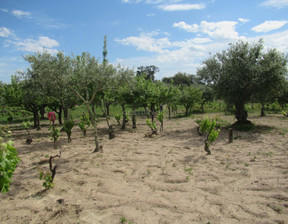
x=99, y=148
x=150, y=135
x=230, y=135
x=29, y=141
x=198, y=131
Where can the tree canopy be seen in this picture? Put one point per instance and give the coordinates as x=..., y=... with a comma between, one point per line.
x=243, y=72
x=148, y=71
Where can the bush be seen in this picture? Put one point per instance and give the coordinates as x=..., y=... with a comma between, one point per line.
x=8, y=162
x=10, y=118
x=67, y=127
x=209, y=127
x=84, y=123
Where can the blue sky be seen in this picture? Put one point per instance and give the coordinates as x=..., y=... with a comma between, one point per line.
x=174, y=35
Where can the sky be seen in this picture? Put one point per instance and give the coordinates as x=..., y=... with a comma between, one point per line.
x=174, y=35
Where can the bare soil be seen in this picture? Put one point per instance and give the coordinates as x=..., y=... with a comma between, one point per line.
x=164, y=179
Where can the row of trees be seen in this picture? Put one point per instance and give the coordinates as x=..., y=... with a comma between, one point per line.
x=241, y=74
x=60, y=82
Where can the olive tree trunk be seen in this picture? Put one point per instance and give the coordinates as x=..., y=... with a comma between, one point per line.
x=241, y=114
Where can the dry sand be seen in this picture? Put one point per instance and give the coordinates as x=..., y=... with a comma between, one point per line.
x=164, y=179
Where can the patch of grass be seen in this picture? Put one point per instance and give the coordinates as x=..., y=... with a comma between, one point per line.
x=123, y=220
x=246, y=164
x=284, y=131
x=228, y=165
x=189, y=171
x=148, y=172
x=99, y=155
x=269, y=154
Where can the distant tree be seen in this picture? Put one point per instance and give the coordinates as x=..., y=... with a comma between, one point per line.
x=148, y=71
x=283, y=97
x=208, y=95
x=124, y=94
x=105, y=61
x=189, y=95
x=242, y=72
x=173, y=96
x=33, y=96
x=180, y=78
x=271, y=81
x=1, y=93
x=12, y=92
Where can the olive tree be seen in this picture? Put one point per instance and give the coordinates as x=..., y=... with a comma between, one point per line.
x=241, y=72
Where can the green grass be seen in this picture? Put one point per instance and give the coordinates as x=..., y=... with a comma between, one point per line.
x=123, y=220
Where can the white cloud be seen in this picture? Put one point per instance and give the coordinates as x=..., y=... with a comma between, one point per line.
x=43, y=43
x=170, y=56
x=276, y=3
x=4, y=10
x=201, y=40
x=20, y=14
x=182, y=7
x=244, y=20
x=218, y=30
x=268, y=26
x=223, y=29
x=5, y=32
x=187, y=55
x=146, y=43
x=275, y=40
x=187, y=27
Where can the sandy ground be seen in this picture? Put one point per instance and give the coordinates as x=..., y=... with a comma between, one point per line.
x=164, y=179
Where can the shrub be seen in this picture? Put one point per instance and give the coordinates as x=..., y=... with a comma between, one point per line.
x=48, y=183
x=118, y=118
x=26, y=126
x=54, y=133
x=84, y=123
x=8, y=162
x=10, y=117
x=67, y=127
x=160, y=118
x=152, y=126
x=209, y=127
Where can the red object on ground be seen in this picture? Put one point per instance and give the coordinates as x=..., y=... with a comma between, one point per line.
x=51, y=116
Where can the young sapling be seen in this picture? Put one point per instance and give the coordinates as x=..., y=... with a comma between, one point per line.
x=8, y=160
x=67, y=127
x=47, y=177
x=84, y=123
x=118, y=118
x=26, y=126
x=209, y=127
x=160, y=118
x=152, y=126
